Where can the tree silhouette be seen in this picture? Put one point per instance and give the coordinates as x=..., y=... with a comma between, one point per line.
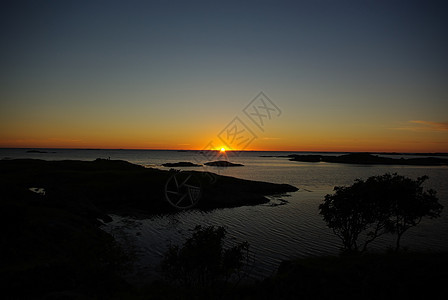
x=409, y=203
x=202, y=260
x=382, y=204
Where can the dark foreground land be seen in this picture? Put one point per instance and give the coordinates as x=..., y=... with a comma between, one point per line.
x=114, y=186
x=371, y=276
x=52, y=241
x=52, y=247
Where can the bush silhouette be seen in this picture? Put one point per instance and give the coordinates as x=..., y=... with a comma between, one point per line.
x=202, y=261
x=390, y=203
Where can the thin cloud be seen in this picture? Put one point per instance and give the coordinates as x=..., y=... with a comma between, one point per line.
x=432, y=126
x=424, y=126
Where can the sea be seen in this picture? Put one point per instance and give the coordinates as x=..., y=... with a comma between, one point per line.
x=287, y=227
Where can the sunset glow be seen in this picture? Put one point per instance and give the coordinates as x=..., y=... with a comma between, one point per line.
x=338, y=77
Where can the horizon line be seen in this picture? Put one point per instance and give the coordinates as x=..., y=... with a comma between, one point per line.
x=305, y=151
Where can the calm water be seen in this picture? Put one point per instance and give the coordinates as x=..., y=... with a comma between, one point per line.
x=275, y=232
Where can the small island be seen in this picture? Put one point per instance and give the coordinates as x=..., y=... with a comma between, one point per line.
x=36, y=151
x=369, y=159
x=223, y=163
x=181, y=164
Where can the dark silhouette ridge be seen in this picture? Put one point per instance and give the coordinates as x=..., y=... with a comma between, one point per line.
x=369, y=159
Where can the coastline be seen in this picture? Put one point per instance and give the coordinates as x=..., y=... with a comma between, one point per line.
x=116, y=185
x=59, y=237
x=53, y=211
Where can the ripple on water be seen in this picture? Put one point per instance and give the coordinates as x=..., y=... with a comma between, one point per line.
x=296, y=229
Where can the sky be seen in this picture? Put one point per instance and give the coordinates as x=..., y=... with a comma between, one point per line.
x=322, y=75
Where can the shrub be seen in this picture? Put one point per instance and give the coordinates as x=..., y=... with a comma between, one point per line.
x=202, y=261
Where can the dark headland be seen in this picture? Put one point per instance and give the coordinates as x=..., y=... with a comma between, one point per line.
x=370, y=159
x=51, y=241
x=113, y=186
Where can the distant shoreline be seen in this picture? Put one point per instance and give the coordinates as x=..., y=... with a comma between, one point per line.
x=370, y=159
x=39, y=149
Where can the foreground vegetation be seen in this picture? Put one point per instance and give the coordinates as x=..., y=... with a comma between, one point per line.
x=202, y=269
x=390, y=203
x=52, y=247
x=402, y=275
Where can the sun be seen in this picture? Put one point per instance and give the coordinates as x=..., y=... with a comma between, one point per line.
x=222, y=150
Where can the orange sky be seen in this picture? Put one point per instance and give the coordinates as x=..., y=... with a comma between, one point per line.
x=349, y=76
x=413, y=138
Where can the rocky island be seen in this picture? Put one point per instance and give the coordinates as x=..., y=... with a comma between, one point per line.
x=222, y=163
x=38, y=151
x=369, y=159
x=181, y=164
